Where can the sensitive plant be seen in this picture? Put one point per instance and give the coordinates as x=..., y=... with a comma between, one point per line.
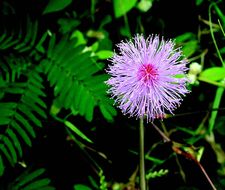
x=148, y=77
x=35, y=103
x=145, y=83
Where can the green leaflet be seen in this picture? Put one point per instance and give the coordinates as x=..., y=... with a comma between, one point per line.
x=24, y=109
x=27, y=178
x=213, y=73
x=22, y=133
x=15, y=141
x=106, y=112
x=81, y=187
x=17, y=41
x=10, y=147
x=84, y=102
x=4, y=120
x=30, y=102
x=190, y=47
x=77, y=131
x=36, y=89
x=2, y=166
x=31, y=180
x=121, y=7
x=90, y=109
x=6, y=153
x=39, y=184
x=36, y=99
x=56, y=5
x=26, y=124
x=187, y=36
x=104, y=54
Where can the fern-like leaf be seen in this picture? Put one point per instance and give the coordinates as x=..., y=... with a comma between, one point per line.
x=18, y=118
x=74, y=75
x=12, y=67
x=17, y=40
x=32, y=181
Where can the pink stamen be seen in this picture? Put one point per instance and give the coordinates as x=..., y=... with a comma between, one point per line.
x=147, y=73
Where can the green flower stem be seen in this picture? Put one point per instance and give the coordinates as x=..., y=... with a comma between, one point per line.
x=142, y=156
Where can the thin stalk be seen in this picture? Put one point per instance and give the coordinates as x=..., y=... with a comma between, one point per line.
x=165, y=138
x=142, y=155
x=127, y=24
x=212, y=34
x=185, y=154
x=211, y=82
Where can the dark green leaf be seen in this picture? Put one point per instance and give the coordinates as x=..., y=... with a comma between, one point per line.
x=29, y=114
x=26, y=124
x=6, y=112
x=90, y=109
x=81, y=187
x=22, y=133
x=219, y=125
x=15, y=141
x=14, y=90
x=52, y=75
x=36, y=99
x=23, y=180
x=37, y=184
x=107, y=115
x=60, y=84
x=2, y=166
x=36, y=90
x=84, y=101
x=69, y=98
x=6, y=153
x=4, y=120
x=56, y=5
x=78, y=96
x=30, y=103
x=11, y=148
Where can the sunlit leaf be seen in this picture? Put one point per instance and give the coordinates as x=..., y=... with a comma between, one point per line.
x=77, y=131
x=121, y=7
x=187, y=36
x=104, y=54
x=213, y=73
x=189, y=48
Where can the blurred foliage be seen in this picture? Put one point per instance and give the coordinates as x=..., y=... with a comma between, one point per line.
x=53, y=56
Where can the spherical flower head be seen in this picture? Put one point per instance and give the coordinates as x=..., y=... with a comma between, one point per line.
x=147, y=77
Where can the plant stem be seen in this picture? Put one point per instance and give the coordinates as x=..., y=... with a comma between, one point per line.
x=142, y=155
x=212, y=34
x=220, y=84
x=186, y=155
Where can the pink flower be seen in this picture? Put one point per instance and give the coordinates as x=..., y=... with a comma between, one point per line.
x=144, y=77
